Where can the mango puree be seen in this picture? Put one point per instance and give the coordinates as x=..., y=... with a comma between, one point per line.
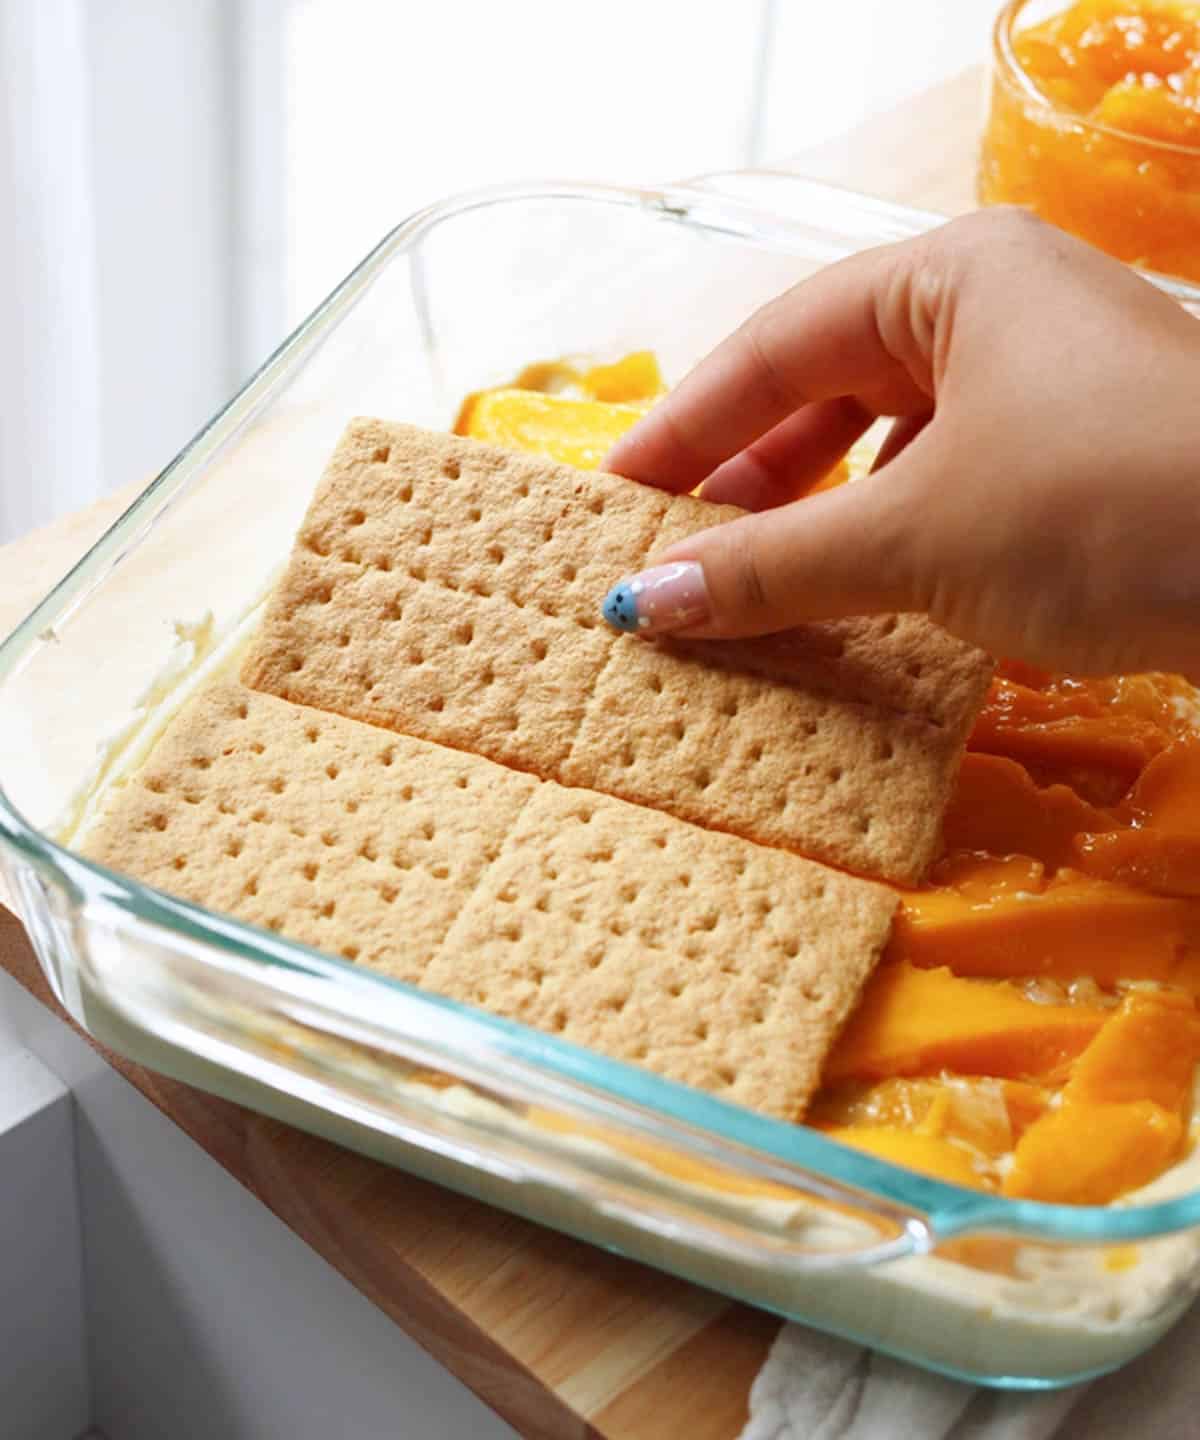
x=1033, y=1029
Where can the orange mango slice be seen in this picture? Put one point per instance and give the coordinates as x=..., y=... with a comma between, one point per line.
x=997, y=808
x=1160, y=851
x=1120, y=1122
x=632, y=379
x=1090, y=1154
x=1154, y=860
x=574, y=432
x=1148, y=1050
x=912, y=1021
x=1076, y=926
x=1143, y=105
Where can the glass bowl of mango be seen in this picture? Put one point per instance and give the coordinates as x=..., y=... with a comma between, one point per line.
x=1094, y=123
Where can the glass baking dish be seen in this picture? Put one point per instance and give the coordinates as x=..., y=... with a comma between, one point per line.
x=462, y=295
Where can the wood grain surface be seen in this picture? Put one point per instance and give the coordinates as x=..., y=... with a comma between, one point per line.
x=563, y=1340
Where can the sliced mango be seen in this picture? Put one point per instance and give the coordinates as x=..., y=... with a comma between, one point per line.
x=912, y=1022
x=1075, y=926
x=633, y=379
x=1087, y=1154
x=1098, y=756
x=1120, y=1121
x=1148, y=1050
x=574, y=432
x=1143, y=105
x=1160, y=848
x=1067, y=734
x=1154, y=860
x=997, y=808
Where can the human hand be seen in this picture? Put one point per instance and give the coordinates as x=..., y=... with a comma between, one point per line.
x=1038, y=494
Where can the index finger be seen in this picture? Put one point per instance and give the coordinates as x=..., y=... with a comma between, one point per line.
x=819, y=340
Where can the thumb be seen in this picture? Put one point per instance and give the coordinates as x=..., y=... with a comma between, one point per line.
x=849, y=551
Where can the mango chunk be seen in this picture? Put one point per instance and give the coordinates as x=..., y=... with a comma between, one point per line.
x=926, y=1153
x=1076, y=926
x=1088, y=1154
x=1068, y=734
x=1143, y=105
x=632, y=379
x=1148, y=1050
x=1161, y=862
x=1160, y=849
x=912, y=1021
x=574, y=432
x=1079, y=54
x=1104, y=756
x=1120, y=1122
x=997, y=808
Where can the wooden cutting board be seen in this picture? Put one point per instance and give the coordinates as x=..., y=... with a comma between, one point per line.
x=563, y=1340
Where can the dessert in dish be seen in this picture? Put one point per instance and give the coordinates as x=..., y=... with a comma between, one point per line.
x=1029, y=987
x=1095, y=124
x=429, y=766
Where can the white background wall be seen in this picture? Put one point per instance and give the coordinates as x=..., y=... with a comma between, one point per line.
x=187, y=180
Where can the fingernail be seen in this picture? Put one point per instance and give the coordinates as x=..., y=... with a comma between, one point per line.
x=656, y=601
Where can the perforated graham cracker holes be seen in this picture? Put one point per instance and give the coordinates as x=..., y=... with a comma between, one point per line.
x=277, y=864
x=623, y=946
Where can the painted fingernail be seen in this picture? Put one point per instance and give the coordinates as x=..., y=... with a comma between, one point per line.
x=659, y=600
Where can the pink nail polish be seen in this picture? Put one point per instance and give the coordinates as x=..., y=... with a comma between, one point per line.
x=657, y=601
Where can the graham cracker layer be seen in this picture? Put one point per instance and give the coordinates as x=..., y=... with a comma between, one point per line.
x=449, y=590
x=702, y=956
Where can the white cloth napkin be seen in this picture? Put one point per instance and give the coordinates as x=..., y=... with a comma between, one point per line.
x=813, y=1387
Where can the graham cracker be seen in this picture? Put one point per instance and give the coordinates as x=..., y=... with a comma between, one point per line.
x=450, y=590
x=342, y=836
x=707, y=958
x=704, y=957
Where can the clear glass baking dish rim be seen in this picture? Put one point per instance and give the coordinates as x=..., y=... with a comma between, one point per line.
x=544, y=1067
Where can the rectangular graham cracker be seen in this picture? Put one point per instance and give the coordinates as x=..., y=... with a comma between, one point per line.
x=342, y=836
x=699, y=955
x=450, y=590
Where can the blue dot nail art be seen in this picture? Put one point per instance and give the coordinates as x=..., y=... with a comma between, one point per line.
x=620, y=607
